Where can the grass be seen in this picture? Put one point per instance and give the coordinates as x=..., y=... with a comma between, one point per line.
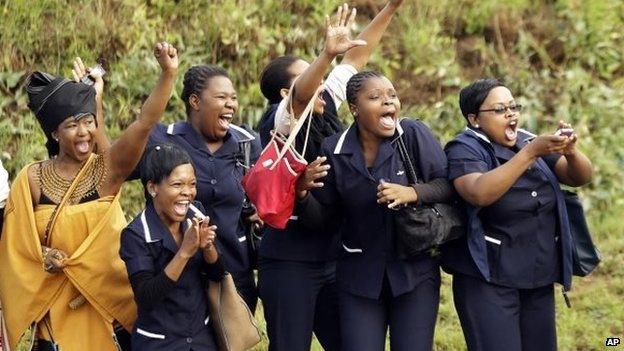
x=562, y=59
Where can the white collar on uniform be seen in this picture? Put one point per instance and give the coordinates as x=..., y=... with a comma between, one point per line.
x=243, y=131
x=338, y=148
x=146, y=229
x=479, y=135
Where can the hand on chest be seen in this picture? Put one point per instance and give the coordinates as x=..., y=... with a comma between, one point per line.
x=358, y=184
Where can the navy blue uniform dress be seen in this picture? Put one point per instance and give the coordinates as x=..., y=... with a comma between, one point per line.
x=516, y=248
x=179, y=321
x=297, y=265
x=220, y=191
x=378, y=290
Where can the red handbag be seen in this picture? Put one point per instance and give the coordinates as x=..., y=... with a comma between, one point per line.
x=270, y=183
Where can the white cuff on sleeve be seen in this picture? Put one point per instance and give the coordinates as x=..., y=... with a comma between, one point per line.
x=282, y=117
x=335, y=85
x=336, y=82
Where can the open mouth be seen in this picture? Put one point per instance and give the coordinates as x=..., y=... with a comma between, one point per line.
x=181, y=207
x=388, y=120
x=83, y=147
x=511, y=131
x=225, y=120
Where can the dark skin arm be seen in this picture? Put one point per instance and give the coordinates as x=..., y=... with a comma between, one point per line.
x=356, y=55
x=359, y=56
x=125, y=152
x=483, y=189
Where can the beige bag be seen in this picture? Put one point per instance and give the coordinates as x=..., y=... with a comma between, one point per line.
x=234, y=326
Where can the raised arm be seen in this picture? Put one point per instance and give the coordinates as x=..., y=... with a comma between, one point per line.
x=125, y=152
x=358, y=56
x=80, y=71
x=337, y=42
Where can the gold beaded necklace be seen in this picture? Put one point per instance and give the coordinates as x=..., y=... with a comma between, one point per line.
x=54, y=186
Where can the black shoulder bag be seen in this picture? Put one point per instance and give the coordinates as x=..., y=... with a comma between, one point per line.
x=421, y=227
x=253, y=236
x=585, y=255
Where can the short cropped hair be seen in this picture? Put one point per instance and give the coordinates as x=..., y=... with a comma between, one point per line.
x=471, y=97
x=276, y=77
x=159, y=161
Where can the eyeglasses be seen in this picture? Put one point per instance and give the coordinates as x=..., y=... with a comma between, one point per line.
x=500, y=110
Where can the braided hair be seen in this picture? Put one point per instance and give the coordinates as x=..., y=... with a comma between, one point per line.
x=196, y=79
x=355, y=84
x=276, y=77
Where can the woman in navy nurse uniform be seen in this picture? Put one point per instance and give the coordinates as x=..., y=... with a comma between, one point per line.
x=213, y=143
x=366, y=181
x=518, y=242
x=296, y=274
x=169, y=255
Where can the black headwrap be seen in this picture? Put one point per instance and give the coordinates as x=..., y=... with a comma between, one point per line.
x=54, y=99
x=471, y=97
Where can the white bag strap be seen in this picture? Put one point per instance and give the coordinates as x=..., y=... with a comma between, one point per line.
x=305, y=115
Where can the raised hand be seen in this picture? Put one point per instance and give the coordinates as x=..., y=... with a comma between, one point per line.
x=395, y=194
x=337, y=39
x=313, y=172
x=79, y=71
x=167, y=56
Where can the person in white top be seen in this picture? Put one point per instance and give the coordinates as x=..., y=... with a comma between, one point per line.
x=296, y=274
x=334, y=86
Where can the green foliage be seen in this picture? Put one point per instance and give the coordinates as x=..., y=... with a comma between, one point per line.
x=562, y=59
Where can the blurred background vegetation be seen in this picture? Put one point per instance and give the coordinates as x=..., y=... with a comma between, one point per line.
x=562, y=59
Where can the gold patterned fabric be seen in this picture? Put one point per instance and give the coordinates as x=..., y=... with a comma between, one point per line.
x=89, y=234
x=54, y=186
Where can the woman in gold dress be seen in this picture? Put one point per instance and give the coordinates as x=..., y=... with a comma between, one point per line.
x=59, y=265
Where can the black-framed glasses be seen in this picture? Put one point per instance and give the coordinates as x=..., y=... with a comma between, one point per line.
x=500, y=110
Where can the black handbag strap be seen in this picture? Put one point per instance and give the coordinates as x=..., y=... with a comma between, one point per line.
x=407, y=160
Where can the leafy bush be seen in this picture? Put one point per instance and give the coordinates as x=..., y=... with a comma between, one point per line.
x=562, y=59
